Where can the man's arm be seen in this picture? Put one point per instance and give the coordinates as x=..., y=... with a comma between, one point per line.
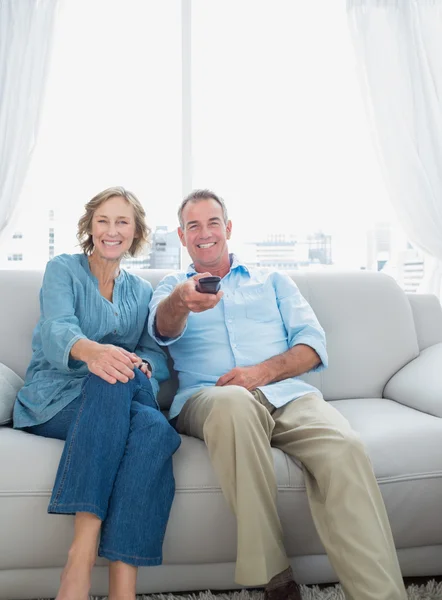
x=305, y=337
x=292, y=363
x=171, y=315
x=172, y=311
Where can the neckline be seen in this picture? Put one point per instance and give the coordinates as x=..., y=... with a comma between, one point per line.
x=235, y=263
x=86, y=266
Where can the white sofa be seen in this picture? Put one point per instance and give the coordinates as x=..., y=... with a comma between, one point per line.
x=385, y=376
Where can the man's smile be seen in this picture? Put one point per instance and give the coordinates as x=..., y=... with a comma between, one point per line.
x=206, y=245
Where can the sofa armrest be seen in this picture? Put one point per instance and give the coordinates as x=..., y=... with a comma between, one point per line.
x=427, y=314
x=419, y=384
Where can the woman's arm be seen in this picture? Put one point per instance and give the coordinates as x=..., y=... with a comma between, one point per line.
x=59, y=325
x=109, y=362
x=61, y=334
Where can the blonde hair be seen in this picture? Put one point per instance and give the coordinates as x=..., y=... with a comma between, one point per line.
x=142, y=230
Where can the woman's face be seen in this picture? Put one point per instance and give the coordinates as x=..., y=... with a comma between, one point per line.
x=113, y=228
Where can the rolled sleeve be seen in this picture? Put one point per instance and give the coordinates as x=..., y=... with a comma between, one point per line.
x=318, y=346
x=300, y=321
x=164, y=289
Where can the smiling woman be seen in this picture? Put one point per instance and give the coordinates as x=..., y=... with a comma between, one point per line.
x=92, y=381
x=121, y=215
x=113, y=227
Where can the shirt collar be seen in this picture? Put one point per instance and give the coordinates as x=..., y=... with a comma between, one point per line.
x=235, y=263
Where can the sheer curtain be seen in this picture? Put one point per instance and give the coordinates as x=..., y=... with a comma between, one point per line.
x=26, y=29
x=399, y=58
x=111, y=116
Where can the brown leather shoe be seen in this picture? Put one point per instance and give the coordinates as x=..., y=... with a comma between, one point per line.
x=288, y=591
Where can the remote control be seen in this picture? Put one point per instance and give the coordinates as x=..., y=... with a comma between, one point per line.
x=208, y=285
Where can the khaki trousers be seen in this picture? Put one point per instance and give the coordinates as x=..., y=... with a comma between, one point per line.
x=239, y=428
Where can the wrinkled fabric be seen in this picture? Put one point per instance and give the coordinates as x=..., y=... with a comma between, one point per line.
x=261, y=314
x=72, y=308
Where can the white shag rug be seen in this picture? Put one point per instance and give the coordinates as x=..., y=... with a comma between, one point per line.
x=429, y=591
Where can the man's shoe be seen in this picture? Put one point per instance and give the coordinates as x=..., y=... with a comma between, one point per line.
x=287, y=591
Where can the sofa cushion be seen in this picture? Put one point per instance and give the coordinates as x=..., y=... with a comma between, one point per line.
x=369, y=327
x=419, y=383
x=405, y=447
x=10, y=384
x=20, y=310
x=28, y=465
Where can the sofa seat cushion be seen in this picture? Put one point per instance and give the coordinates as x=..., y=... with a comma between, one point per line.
x=201, y=527
x=405, y=448
x=403, y=443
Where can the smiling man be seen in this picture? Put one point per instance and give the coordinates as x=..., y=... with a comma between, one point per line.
x=239, y=354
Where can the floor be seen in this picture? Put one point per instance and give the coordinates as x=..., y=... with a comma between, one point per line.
x=408, y=580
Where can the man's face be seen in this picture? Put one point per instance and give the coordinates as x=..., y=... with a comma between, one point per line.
x=205, y=234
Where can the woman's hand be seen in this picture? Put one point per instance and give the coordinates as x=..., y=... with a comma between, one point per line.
x=109, y=362
x=144, y=368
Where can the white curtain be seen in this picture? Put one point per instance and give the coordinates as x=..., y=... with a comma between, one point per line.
x=399, y=59
x=26, y=28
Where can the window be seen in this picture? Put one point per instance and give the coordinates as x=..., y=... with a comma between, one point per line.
x=112, y=116
x=279, y=125
x=276, y=123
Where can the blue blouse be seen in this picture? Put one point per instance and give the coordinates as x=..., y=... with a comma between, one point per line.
x=72, y=308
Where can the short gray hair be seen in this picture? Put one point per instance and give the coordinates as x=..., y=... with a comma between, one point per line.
x=197, y=196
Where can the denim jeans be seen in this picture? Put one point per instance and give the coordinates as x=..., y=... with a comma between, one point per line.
x=116, y=464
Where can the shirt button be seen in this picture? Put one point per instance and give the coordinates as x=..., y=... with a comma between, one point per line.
x=115, y=331
x=229, y=320
x=116, y=314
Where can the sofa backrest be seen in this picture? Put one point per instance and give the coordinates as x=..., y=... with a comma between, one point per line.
x=366, y=316
x=369, y=327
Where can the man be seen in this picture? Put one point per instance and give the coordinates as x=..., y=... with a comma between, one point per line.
x=238, y=355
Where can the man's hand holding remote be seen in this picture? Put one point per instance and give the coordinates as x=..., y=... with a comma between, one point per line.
x=173, y=311
x=193, y=299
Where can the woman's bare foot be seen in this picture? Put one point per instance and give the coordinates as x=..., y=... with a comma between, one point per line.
x=76, y=578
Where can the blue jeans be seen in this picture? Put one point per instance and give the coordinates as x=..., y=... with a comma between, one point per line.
x=116, y=464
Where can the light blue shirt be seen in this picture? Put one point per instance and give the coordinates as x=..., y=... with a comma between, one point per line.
x=261, y=314
x=72, y=308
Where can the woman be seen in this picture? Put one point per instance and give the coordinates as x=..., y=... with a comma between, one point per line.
x=93, y=381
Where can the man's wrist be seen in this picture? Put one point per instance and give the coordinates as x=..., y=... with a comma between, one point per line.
x=265, y=373
x=177, y=297
x=171, y=315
